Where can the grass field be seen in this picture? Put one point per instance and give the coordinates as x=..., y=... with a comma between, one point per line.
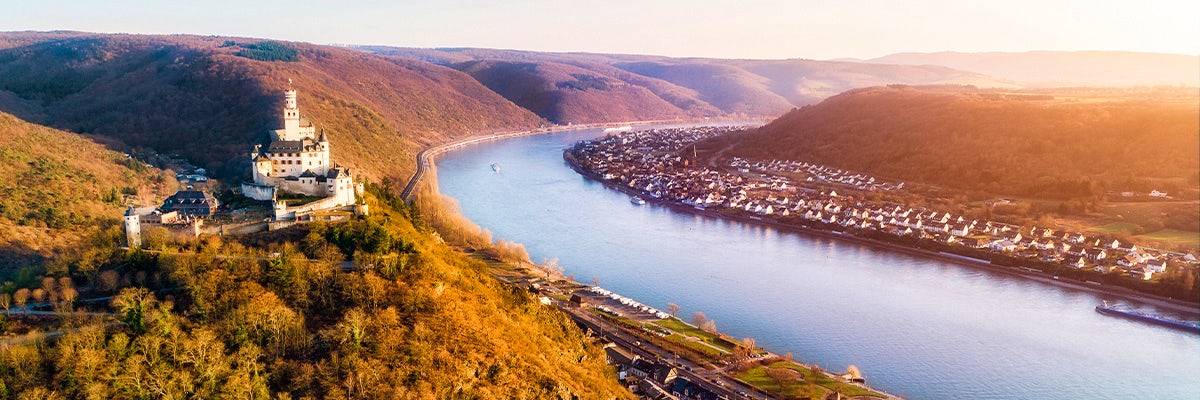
x=676, y=325
x=1174, y=236
x=1115, y=228
x=758, y=377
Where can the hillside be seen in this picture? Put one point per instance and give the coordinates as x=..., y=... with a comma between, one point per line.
x=567, y=94
x=59, y=187
x=701, y=86
x=210, y=98
x=1066, y=68
x=422, y=321
x=1063, y=143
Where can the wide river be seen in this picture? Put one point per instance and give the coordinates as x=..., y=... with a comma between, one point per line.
x=916, y=327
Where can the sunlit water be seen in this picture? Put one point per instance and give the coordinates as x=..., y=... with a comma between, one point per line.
x=916, y=327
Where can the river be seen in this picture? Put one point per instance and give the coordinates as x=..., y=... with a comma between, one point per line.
x=917, y=327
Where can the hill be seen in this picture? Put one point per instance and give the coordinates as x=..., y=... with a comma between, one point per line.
x=411, y=319
x=209, y=99
x=1063, y=143
x=703, y=86
x=58, y=188
x=564, y=93
x=1066, y=68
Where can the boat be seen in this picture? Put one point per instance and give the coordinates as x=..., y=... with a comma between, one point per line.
x=1161, y=320
x=495, y=167
x=637, y=200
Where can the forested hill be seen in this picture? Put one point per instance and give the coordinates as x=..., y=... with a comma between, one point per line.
x=209, y=99
x=275, y=316
x=58, y=187
x=1061, y=143
x=582, y=87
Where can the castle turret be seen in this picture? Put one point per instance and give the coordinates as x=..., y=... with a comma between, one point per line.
x=133, y=228
x=291, y=117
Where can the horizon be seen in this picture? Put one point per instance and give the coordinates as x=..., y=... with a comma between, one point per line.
x=715, y=29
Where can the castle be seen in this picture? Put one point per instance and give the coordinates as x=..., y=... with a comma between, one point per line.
x=297, y=161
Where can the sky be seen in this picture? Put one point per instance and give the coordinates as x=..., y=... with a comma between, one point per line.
x=700, y=28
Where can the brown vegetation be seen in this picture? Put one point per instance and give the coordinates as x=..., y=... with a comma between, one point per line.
x=58, y=189
x=1038, y=144
x=198, y=97
x=281, y=320
x=697, y=86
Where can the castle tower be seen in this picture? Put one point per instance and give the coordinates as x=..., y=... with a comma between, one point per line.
x=291, y=117
x=133, y=229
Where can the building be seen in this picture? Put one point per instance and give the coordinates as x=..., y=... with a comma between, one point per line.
x=133, y=228
x=191, y=202
x=297, y=161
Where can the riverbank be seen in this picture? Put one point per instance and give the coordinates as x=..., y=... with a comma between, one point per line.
x=425, y=157
x=1176, y=305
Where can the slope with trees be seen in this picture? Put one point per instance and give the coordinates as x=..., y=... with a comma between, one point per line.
x=700, y=85
x=209, y=98
x=58, y=188
x=1064, y=144
x=277, y=317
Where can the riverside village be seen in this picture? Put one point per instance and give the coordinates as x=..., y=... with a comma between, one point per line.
x=661, y=166
x=293, y=172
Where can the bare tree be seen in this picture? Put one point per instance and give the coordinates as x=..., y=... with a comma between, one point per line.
x=68, y=297
x=744, y=349
x=784, y=377
x=20, y=297
x=672, y=308
x=709, y=326
x=5, y=301
x=699, y=318
x=550, y=265
x=595, y=280
x=109, y=280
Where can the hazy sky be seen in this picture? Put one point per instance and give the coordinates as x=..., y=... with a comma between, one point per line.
x=727, y=29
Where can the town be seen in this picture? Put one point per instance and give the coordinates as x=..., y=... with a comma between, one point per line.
x=662, y=165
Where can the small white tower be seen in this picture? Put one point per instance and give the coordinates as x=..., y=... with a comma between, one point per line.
x=291, y=117
x=133, y=229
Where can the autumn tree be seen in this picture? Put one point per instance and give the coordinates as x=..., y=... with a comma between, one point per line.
x=783, y=377
x=699, y=318
x=672, y=308
x=20, y=297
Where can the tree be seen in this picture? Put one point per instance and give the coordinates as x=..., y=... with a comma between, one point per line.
x=709, y=326
x=744, y=349
x=595, y=280
x=133, y=304
x=672, y=308
x=109, y=279
x=699, y=318
x=783, y=377
x=20, y=297
x=550, y=265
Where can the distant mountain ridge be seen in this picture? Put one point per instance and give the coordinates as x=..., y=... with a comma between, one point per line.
x=691, y=86
x=1066, y=68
